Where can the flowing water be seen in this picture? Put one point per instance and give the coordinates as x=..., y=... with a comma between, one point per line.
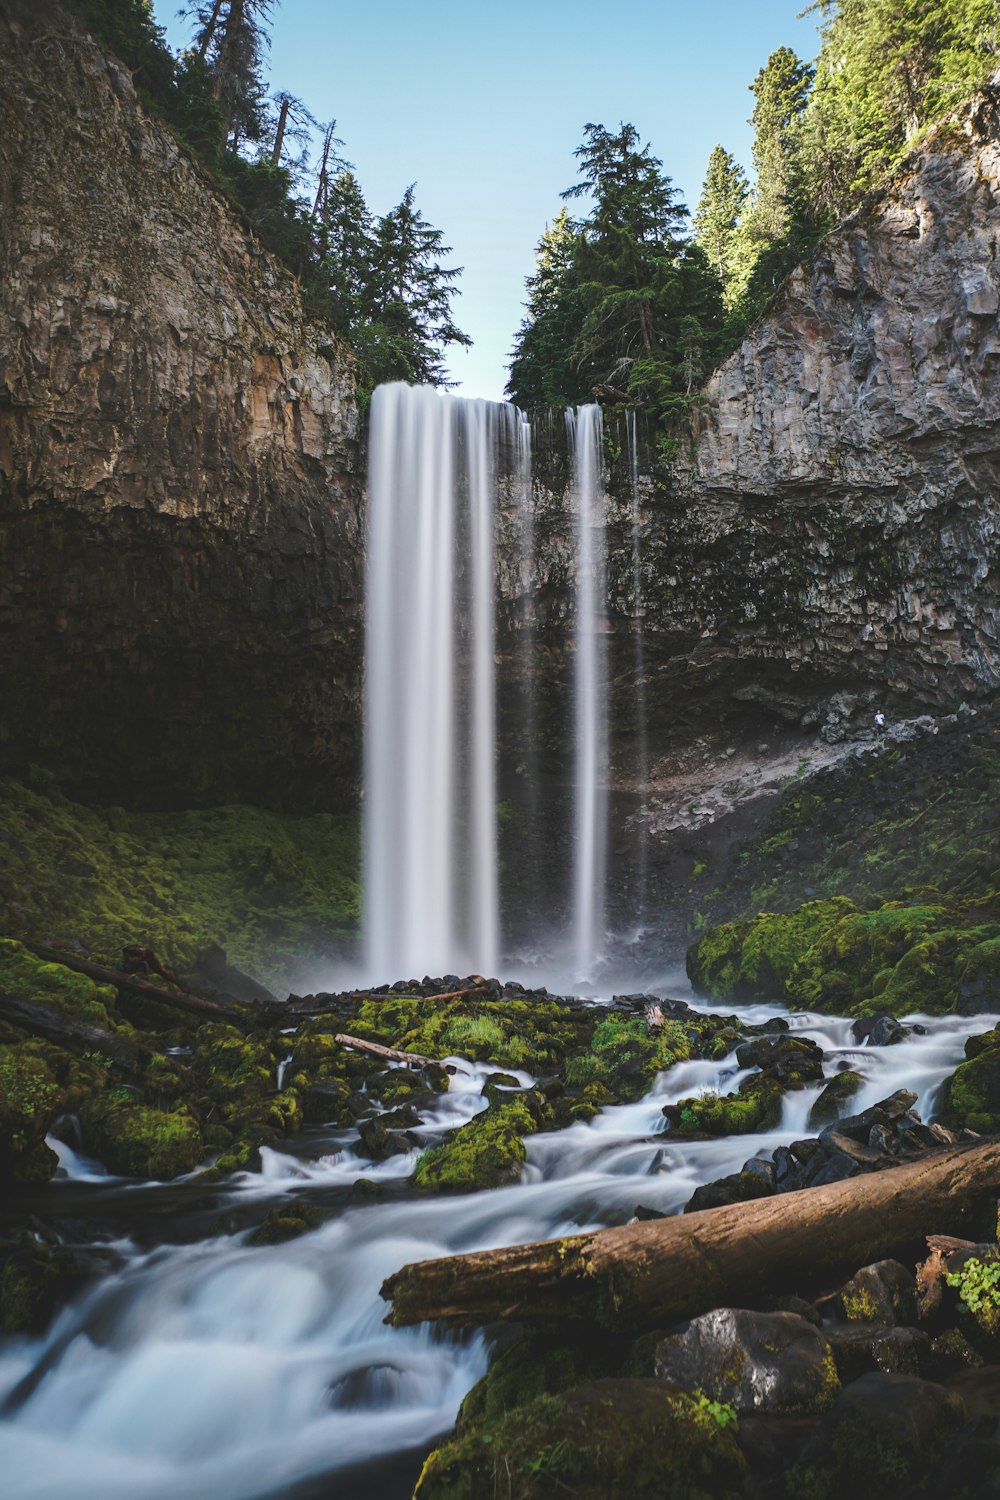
x=211, y=1368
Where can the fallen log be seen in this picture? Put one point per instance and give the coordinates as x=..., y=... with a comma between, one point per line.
x=477, y=989
x=658, y=1272
x=75, y=1036
x=411, y=1059
x=179, y=999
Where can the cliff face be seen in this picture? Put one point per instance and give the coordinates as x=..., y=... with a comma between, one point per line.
x=826, y=537
x=179, y=515
x=846, y=466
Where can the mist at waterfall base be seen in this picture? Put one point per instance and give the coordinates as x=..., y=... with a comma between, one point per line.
x=443, y=472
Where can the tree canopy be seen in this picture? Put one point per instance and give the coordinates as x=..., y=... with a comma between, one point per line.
x=622, y=306
x=381, y=282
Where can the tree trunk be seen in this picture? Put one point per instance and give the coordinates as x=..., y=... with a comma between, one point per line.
x=179, y=999
x=412, y=1059
x=75, y=1036
x=279, y=134
x=656, y=1273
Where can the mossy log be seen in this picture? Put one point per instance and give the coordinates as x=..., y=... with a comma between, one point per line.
x=179, y=999
x=658, y=1272
x=75, y=1036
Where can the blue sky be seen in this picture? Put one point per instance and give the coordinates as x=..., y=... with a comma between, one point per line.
x=482, y=106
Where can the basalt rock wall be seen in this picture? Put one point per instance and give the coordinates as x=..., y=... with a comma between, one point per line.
x=180, y=530
x=825, y=537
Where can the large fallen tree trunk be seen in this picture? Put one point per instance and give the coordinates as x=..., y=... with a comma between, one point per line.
x=660, y=1271
x=66, y=1031
x=179, y=999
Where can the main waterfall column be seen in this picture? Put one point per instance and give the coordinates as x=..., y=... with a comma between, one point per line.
x=431, y=899
x=584, y=432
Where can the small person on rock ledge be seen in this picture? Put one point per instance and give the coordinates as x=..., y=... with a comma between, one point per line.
x=879, y=722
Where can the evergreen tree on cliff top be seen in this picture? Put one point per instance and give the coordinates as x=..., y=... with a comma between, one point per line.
x=606, y=317
x=723, y=198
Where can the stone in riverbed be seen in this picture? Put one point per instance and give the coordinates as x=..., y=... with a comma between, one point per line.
x=859, y=1348
x=884, y=1292
x=751, y=1360
x=829, y=1105
x=882, y=1432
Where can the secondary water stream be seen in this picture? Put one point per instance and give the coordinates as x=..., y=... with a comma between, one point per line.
x=213, y=1368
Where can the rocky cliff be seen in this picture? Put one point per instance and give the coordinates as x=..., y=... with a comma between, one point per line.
x=843, y=479
x=179, y=517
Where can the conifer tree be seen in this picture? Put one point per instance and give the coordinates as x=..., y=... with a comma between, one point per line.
x=723, y=198
x=408, y=299
x=542, y=371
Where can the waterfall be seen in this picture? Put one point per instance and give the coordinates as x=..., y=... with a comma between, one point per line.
x=642, y=740
x=431, y=897
x=584, y=431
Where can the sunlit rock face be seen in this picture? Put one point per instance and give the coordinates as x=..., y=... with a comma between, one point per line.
x=180, y=599
x=849, y=450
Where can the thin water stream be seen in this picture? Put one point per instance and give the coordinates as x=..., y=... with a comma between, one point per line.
x=214, y=1368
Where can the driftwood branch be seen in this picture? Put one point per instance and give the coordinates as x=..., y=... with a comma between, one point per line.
x=411, y=1059
x=179, y=999
x=660, y=1271
x=66, y=1031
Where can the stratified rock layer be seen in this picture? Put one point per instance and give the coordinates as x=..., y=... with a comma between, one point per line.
x=179, y=603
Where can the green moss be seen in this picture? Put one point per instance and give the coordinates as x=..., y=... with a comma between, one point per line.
x=277, y=892
x=640, y=1438
x=970, y=1098
x=756, y=1106
x=286, y=1222
x=30, y=1099
x=536, y=1365
x=35, y=1281
x=55, y=986
x=137, y=1141
x=753, y=960
x=485, y=1153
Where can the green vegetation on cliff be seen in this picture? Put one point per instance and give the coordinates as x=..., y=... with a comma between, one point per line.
x=277, y=892
x=900, y=850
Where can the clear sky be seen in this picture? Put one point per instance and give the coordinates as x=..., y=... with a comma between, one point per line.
x=482, y=106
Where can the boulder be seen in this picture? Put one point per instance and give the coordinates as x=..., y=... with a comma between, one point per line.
x=751, y=1360
x=884, y=1292
x=829, y=1105
x=859, y=1348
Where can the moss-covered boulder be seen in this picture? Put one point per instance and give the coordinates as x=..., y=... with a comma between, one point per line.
x=487, y=1152
x=970, y=1098
x=35, y=1281
x=853, y=964
x=755, y=1106
x=883, y=1432
x=640, y=1438
x=30, y=1100
x=833, y=1102
x=134, y=1140
x=287, y=1221
x=753, y=960
x=536, y=1365
x=54, y=985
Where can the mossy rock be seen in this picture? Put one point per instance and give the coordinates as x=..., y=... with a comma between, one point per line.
x=30, y=1100
x=883, y=1433
x=487, y=1152
x=832, y=1104
x=970, y=1098
x=755, y=1106
x=534, y=1366
x=35, y=1282
x=640, y=1438
x=838, y=973
x=287, y=1221
x=136, y=1141
x=753, y=960
x=54, y=985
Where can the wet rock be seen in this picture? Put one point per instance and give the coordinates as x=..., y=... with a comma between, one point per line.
x=738, y=1187
x=829, y=1105
x=862, y=1347
x=884, y=1292
x=751, y=1360
x=378, y=1144
x=790, y=1059
x=970, y=1098
x=882, y=1432
x=286, y=1222
x=878, y=1031
x=35, y=1281
x=951, y=1351
x=326, y=1102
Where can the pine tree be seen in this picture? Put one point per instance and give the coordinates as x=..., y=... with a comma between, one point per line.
x=723, y=198
x=408, y=295
x=231, y=40
x=542, y=371
x=350, y=251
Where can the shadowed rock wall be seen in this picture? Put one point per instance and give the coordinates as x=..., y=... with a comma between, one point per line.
x=179, y=514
